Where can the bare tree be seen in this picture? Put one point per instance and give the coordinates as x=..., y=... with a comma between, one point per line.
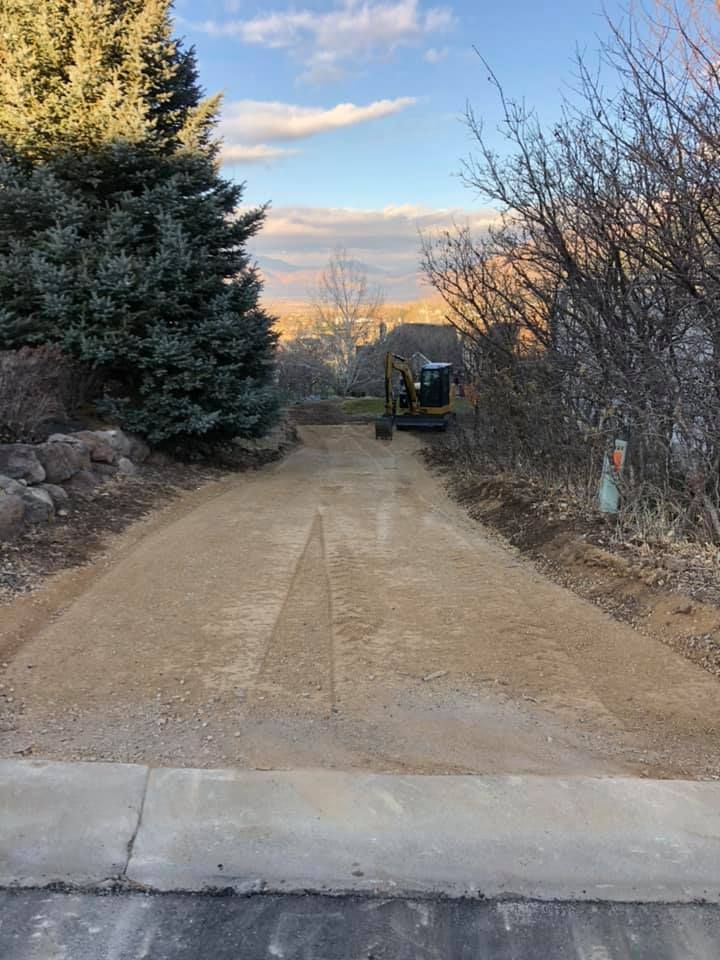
x=593, y=305
x=687, y=29
x=347, y=321
x=302, y=368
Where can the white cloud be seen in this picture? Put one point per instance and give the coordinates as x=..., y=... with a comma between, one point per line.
x=389, y=236
x=250, y=127
x=433, y=55
x=254, y=121
x=353, y=31
x=296, y=242
x=257, y=153
x=438, y=18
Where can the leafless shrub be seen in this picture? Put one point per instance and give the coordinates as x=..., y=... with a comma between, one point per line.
x=38, y=384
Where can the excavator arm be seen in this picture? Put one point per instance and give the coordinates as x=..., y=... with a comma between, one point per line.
x=394, y=362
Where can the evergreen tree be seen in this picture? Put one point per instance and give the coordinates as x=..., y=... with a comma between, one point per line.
x=83, y=74
x=118, y=237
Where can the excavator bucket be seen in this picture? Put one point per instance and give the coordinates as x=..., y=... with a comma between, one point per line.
x=384, y=428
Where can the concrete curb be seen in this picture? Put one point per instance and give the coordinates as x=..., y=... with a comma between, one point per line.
x=538, y=838
x=67, y=822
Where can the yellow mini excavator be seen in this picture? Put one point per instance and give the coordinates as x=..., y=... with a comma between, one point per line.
x=426, y=405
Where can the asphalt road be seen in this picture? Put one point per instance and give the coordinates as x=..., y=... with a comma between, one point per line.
x=55, y=926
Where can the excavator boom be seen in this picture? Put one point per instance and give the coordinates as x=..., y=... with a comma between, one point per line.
x=393, y=363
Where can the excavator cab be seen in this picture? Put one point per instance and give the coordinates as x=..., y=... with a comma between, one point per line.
x=426, y=405
x=435, y=385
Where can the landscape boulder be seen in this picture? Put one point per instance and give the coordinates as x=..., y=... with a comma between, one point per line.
x=139, y=450
x=39, y=506
x=19, y=461
x=62, y=459
x=125, y=444
x=8, y=485
x=12, y=515
x=83, y=483
x=105, y=470
x=100, y=449
x=117, y=440
x=65, y=438
x=126, y=467
x=59, y=495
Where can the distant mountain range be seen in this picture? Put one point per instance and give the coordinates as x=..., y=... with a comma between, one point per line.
x=288, y=281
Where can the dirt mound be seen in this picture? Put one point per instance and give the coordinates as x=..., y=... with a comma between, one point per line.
x=671, y=593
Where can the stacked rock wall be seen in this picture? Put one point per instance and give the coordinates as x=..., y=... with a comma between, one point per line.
x=38, y=480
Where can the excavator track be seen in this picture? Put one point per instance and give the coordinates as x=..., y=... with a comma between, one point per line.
x=419, y=421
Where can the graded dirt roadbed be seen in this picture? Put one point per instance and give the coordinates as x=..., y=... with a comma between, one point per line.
x=338, y=610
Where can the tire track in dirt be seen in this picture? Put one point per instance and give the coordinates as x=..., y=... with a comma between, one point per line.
x=297, y=665
x=357, y=559
x=331, y=640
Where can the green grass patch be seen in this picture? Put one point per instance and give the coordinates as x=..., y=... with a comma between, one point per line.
x=364, y=406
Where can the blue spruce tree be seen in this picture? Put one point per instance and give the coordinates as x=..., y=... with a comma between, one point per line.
x=119, y=238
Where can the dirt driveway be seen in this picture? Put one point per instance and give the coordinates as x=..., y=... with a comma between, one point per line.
x=338, y=610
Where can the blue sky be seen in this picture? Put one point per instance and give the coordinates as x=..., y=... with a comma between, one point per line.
x=345, y=114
